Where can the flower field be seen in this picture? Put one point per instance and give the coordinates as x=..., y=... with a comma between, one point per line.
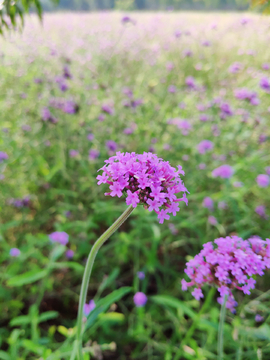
x=79, y=89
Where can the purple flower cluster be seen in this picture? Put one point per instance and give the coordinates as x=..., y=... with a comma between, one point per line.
x=3, y=156
x=229, y=265
x=265, y=84
x=204, y=146
x=223, y=171
x=246, y=94
x=60, y=237
x=145, y=179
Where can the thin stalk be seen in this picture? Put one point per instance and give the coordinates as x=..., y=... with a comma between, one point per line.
x=87, y=272
x=192, y=328
x=221, y=328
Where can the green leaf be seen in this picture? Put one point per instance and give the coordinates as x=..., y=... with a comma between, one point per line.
x=4, y=355
x=31, y=346
x=112, y=317
x=166, y=300
x=104, y=304
x=69, y=264
x=20, y=320
x=48, y=315
x=57, y=252
x=27, y=278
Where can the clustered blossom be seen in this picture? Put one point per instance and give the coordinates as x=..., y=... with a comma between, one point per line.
x=144, y=179
x=231, y=264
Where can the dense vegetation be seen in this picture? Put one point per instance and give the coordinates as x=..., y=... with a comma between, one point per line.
x=74, y=92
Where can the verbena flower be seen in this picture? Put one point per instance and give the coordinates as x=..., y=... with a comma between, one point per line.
x=265, y=84
x=263, y=180
x=260, y=210
x=144, y=179
x=60, y=237
x=69, y=254
x=228, y=263
x=87, y=308
x=223, y=171
x=141, y=275
x=140, y=299
x=14, y=252
x=212, y=220
x=208, y=203
x=3, y=156
x=205, y=145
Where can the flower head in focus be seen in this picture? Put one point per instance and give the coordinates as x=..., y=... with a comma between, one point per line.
x=228, y=263
x=144, y=179
x=60, y=237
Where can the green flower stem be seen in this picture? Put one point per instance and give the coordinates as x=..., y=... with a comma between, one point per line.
x=221, y=328
x=87, y=273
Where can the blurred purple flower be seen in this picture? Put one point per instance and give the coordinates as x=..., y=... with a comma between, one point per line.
x=90, y=137
x=265, y=84
x=140, y=299
x=208, y=203
x=93, y=154
x=212, y=220
x=222, y=205
x=26, y=127
x=70, y=107
x=238, y=184
x=204, y=146
x=177, y=33
x=266, y=66
x=141, y=275
x=73, y=153
x=259, y=318
x=260, y=210
x=235, y=67
x=66, y=72
x=69, y=254
x=3, y=156
x=187, y=53
x=87, y=308
x=60, y=237
x=101, y=117
x=108, y=109
x=226, y=110
x=111, y=145
x=267, y=170
x=173, y=229
x=223, y=171
x=190, y=82
x=202, y=166
x=46, y=114
x=263, y=180
x=172, y=89
x=14, y=252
